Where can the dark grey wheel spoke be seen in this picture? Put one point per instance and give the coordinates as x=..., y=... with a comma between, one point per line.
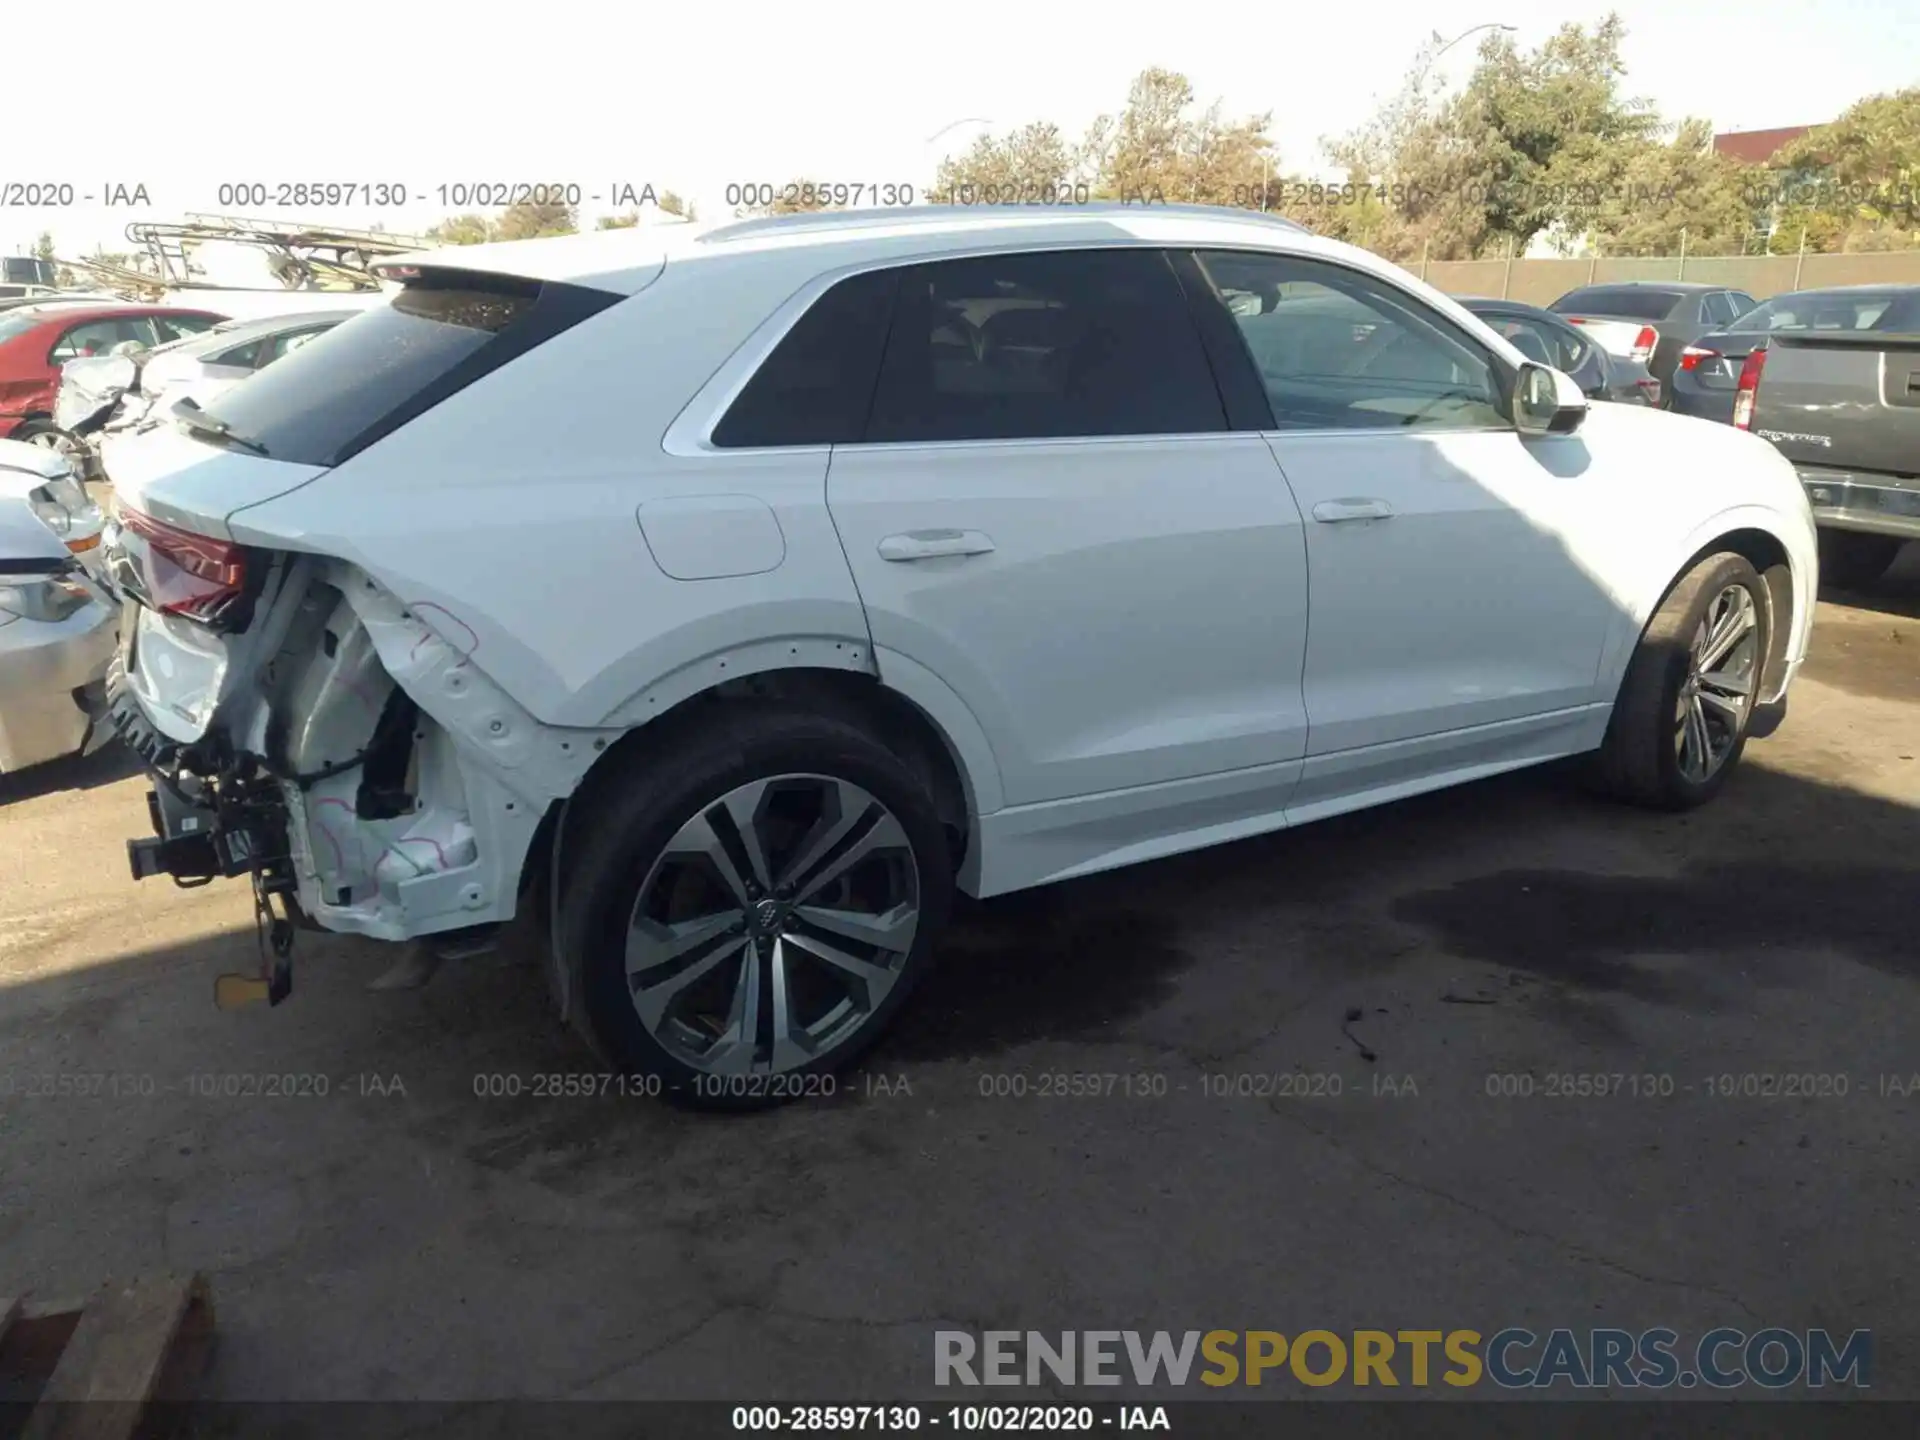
x=773, y=925
x=891, y=931
x=652, y=999
x=743, y=808
x=884, y=834
x=876, y=979
x=1717, y=694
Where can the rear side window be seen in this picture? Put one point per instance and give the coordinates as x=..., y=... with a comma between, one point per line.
x=1054, y=344
x=365, y=378
x=1719, y=309
x=1628, y=304
x=817, y=385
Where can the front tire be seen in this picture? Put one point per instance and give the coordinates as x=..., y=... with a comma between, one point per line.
x=1680, y=722
x=1853, y=560
x=756, y=900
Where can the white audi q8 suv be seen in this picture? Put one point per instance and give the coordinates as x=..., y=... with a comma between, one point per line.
x=731, y=595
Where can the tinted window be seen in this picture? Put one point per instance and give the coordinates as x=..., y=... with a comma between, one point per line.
x=367, y=377
x=1742, y=302
x=1830, y=310
x=278, y=347
x=1718, y=309
x=817, y=385
x=177, y=327
x=98, y=337
x=1061, y=343
x=1557, y=345
x=239, y=357
x=1337, y=349
x=1621, y=301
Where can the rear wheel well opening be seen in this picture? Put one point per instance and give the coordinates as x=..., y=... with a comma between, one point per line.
x=1768, y=556
x=859, y=700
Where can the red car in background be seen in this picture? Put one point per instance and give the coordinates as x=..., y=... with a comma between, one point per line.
x=36, y=340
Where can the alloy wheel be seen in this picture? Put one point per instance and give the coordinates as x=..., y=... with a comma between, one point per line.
x=773, y=925
x=1717, y=695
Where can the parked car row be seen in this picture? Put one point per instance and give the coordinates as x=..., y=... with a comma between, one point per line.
x=890, y=554
x=1831, y=377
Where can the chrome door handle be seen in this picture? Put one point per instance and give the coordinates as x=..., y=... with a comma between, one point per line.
x=1331, y=512
x=932, y=544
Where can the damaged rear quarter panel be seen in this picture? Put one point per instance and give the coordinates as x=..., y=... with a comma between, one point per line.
x=508, y=516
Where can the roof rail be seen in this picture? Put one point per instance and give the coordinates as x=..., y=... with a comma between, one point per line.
x=808, y=220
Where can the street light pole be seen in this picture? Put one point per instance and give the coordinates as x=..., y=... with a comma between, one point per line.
x=1464, y=34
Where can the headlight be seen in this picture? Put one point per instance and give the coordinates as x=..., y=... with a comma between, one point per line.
x=54, y=515
x=44, y=600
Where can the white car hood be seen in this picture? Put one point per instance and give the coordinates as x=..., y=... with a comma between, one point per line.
x=39, y=461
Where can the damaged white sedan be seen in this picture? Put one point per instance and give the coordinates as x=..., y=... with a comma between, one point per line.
x=733, y=595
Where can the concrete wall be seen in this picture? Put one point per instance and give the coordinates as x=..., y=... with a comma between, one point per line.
x=1541, y=282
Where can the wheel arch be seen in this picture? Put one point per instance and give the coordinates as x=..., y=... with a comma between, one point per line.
x=957, y=768
x=1787, y=566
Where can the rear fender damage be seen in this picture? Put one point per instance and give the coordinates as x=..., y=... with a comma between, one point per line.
x=418, y=782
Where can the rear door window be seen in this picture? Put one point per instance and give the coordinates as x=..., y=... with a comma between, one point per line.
x=1043, y=345
x=1620, y=301
x=365, y=378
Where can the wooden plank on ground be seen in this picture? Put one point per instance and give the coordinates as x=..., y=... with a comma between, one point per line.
x=116, y=1357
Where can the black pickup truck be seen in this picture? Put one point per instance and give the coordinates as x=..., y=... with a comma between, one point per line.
x=1844, y=406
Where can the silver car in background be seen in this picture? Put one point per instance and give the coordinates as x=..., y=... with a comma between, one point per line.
x=58, y=631
x=107, y=393
x=50, y=484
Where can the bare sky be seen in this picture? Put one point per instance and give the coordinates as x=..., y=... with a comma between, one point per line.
x=695, y=98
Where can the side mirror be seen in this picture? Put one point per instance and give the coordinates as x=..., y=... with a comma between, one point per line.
x=1546, y=402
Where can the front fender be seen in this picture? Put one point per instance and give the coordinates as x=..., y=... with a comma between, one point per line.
x=1665, y=564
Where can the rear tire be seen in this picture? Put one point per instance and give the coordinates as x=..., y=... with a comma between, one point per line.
x=716, y=965
x=1680, y=722
x=1853, y=560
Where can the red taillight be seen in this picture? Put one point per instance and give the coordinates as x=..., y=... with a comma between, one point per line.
x=1749, y=387
x=185, y=573
x=1691, y=357
x=1644, y=342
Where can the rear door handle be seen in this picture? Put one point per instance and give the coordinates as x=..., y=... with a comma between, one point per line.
x=932, y=544
x=1331, y=512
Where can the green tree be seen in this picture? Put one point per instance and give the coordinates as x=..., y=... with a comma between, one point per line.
x=463, y=230
x=1158, y=150
x=43, y=247
x=1655, y=199
x=618, y=222
x=534, y=219
x=1036, y=161
x=1852, y=184
x=1531, y=143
